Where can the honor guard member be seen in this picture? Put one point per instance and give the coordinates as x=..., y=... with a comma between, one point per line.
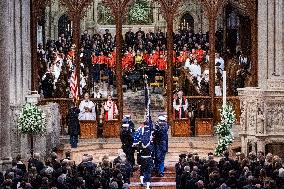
x=127, y=142
x=160, y=144
x=127, y=120
x=144, y=136
x=73, y=124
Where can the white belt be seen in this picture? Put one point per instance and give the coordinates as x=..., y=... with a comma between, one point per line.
x=145, y=156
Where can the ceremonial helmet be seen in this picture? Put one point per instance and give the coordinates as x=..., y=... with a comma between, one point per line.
x=162, y=118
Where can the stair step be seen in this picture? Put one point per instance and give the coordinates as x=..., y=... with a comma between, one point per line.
x=158, y=179
x=163, y=185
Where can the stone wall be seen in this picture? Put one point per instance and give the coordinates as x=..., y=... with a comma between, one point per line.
x=15, y=75
x=90, y=21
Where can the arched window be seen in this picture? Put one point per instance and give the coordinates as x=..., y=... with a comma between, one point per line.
x=64, y=25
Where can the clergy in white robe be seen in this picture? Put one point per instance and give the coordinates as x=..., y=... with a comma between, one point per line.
x=195, y=69
x=110, y=108
x=87, y=109
x=187, y=64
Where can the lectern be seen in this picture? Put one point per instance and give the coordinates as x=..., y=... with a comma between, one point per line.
x=181, y=128
x=88, y=129
x=203, y=127
x=111, y=129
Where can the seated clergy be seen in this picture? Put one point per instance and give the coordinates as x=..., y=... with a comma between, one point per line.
x=110, y=109
x=180, y=105
x=202, y=112
x=87, y=109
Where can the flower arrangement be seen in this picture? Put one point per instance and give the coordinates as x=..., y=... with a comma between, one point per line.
x=31, y=120
x=224, y=129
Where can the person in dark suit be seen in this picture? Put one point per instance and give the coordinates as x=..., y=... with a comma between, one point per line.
x=36, y=162
x=129, y=38
x=201, y=112
x=73, y=123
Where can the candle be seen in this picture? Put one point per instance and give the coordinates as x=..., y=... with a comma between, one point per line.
x=224, y=88
x=71, y=28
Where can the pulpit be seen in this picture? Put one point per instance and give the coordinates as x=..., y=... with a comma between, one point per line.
x=88, y=129
x=203, y=127
x=181, y=128
x=111, y=129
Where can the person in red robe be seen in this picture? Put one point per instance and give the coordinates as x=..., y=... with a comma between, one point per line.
x=151, y=60
x=113, y=55
x=111, y=61
x=162, y=63
x=101, y=59
x=71, y=53
x=199, y=54
x=126, y=62
x=110, y=109
x=146, y=57
x=156, y=56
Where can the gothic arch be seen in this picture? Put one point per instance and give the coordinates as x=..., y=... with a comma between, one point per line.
x=64, y=24
x=187, y=10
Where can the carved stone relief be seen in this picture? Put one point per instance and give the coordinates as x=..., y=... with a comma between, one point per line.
x=262, y=117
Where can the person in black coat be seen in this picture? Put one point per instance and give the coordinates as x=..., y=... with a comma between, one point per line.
x=47, y=85
x=36, y=162
x=72, y=121
x=127, y=142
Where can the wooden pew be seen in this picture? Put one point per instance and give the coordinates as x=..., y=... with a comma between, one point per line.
x=204, y=127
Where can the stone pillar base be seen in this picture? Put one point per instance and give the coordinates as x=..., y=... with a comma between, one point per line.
x=5, y=164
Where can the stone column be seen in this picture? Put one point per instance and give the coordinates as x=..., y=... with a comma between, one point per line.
x=5, y=148
x=279, y=38
x=270, y=44
x=262, y=45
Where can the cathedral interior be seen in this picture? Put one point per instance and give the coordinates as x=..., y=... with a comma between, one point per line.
x=184, y=61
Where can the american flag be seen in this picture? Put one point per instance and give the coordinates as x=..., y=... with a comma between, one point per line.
x=74, y=84
x=147, y=102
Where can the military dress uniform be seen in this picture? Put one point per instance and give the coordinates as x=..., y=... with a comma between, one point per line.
x=127, y=142
x=160, y=144
x=144, y=137
x=127, y=120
